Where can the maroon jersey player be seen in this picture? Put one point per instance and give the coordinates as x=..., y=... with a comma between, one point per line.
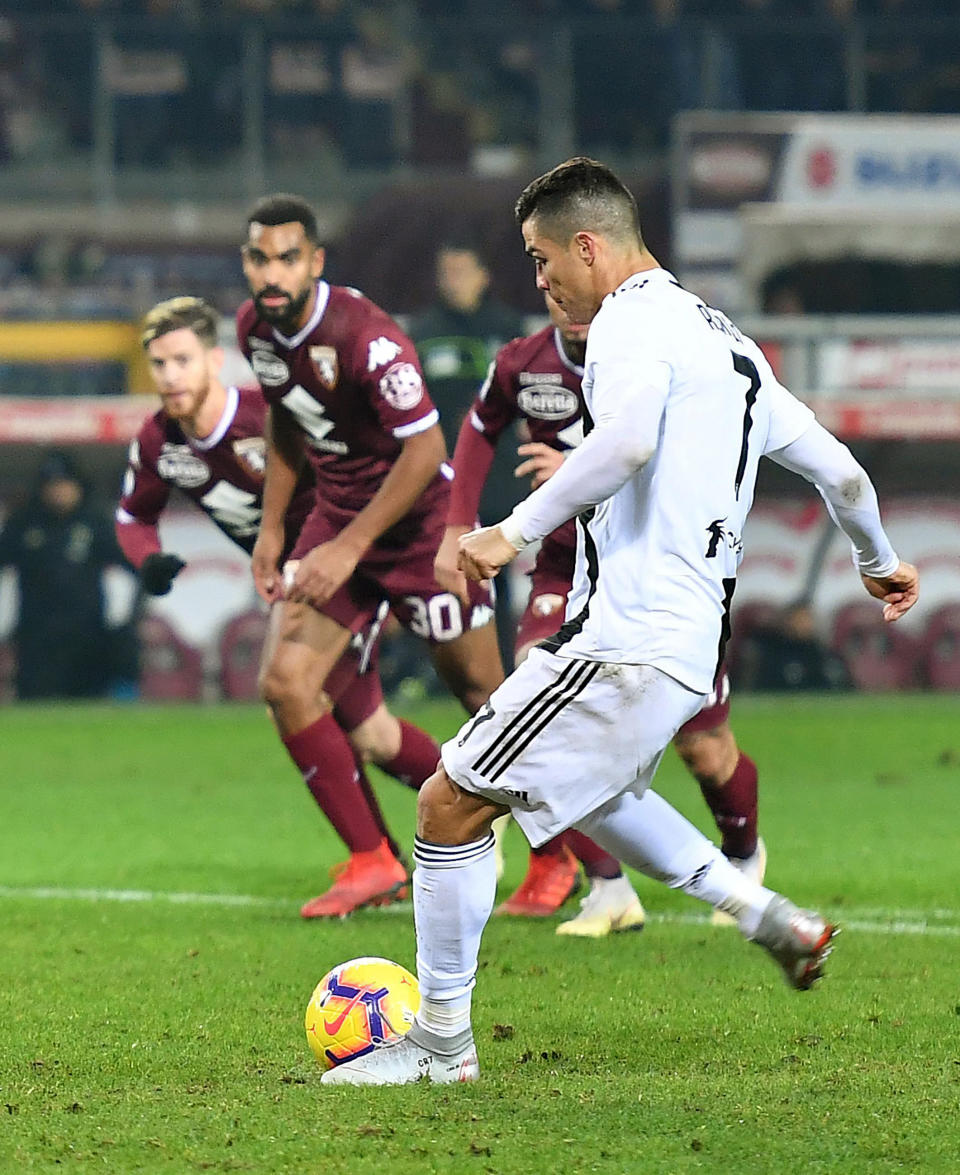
x=537, y=380
x=207, y=440
x=344, y=387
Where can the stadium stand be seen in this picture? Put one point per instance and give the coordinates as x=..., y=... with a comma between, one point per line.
x=940, y=649
x=240, y=645
x=879, y=656
x=170, y=669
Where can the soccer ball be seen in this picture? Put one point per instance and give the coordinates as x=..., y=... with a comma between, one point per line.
x=359, y=1006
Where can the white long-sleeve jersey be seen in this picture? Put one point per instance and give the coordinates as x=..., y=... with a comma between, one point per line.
x=680, y=408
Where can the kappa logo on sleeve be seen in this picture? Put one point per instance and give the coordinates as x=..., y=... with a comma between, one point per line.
x=402, y=387
x=381, y=352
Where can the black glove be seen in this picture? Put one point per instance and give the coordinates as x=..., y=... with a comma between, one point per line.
x=157, y=573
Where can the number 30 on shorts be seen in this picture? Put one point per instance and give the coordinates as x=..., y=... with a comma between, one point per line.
x=438, y=618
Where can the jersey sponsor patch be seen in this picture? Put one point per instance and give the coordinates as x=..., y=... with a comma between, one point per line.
x=252, y=454
x=179, y=464
x=381, y=351
x=324, y=360
x=269, y=369
x=548, y=402
x=401, y=386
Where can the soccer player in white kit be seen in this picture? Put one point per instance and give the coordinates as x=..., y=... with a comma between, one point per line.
x=681, y=406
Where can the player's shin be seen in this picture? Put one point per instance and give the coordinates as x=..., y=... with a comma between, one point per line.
x=651, y=836
x=417, y=758
x=734, y=807
x=453, y=894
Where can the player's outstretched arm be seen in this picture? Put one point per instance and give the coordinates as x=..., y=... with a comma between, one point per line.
x=472, y=458
x=898, y=591
x=852, y=503
x=284, y=458
x=446, y=565
x=324, y=569
x=617, y=448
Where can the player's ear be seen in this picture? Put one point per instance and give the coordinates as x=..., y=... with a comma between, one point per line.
x=217, y=356
x=586, y=246
x=319, y=260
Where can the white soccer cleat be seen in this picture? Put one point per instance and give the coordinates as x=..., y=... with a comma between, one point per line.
x=799, y=940
x=408, y=1061
x=610, y=906
x=754, y=867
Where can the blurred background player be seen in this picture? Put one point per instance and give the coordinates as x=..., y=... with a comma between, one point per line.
x=208, y=441
x=537, y=381
x=60, y=543
x=458, y=336
x=343, y=386
x=456, y=339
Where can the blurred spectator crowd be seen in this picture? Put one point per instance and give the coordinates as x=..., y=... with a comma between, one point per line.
x=361, y=84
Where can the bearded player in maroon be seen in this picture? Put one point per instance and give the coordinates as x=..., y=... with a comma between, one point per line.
x=537, y=380
x=207, y=440
x=344, y=388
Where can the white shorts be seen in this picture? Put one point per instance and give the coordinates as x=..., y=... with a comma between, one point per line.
x=561, y=737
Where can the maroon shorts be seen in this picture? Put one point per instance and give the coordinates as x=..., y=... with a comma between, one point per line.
x=402, y=575
x=543, y=614
x=550, y=582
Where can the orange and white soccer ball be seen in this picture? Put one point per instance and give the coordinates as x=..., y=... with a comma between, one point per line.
x=359, y=1006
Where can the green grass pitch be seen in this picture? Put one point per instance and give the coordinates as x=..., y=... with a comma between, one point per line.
x=154, y=971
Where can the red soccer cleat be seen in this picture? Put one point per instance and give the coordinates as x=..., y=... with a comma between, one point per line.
x=547, y=885
x=374, y=878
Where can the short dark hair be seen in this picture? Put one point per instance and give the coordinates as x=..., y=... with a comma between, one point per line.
x=461, y=244
x=283, y=208
x=580, y=194
x=178, y=314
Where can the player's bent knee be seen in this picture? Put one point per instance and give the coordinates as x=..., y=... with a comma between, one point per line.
x=470, y=665
x=378, y=738
x=709, y=755
x=290, y=673
x=447, y=814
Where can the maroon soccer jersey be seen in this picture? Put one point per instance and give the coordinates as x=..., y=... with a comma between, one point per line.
x=531, y=379
x=352, y=381
x=222, y=474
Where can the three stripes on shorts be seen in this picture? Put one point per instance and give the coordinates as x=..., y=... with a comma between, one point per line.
x=527, y=723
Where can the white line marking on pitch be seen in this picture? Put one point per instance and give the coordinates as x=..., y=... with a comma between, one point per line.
x=866, y=920
x=142, y=895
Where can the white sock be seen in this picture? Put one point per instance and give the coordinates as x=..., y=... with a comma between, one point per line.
x=454, y=887
x=650, y=835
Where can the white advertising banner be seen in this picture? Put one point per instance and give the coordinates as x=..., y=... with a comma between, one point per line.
x=876, y=162
x=899, y=365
